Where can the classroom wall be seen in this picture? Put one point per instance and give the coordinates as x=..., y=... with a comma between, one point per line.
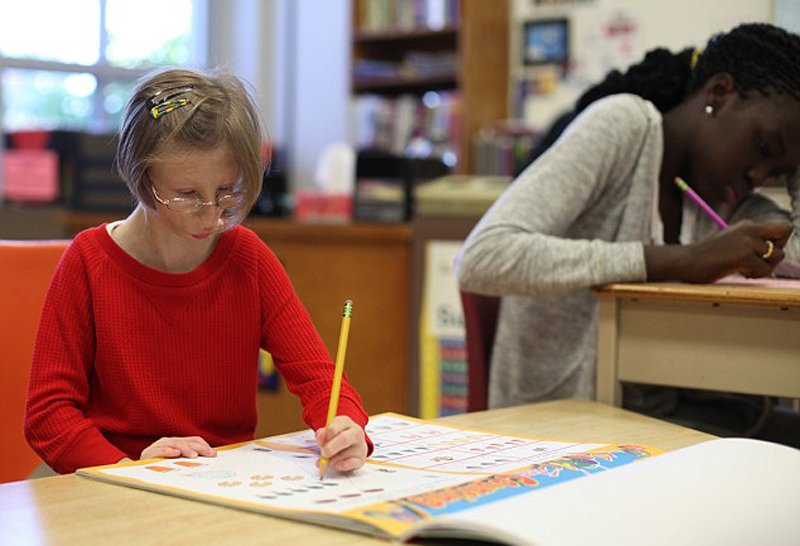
x=787, y=14
x=606, y=34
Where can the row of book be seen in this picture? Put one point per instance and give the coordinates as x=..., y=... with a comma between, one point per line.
x=407, y=15
x=415, y=64
x=69, y=167
x=430, y=126
x=410, y=125
x=504, y=147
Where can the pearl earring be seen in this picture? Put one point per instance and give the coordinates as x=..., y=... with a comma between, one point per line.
x=709, y=110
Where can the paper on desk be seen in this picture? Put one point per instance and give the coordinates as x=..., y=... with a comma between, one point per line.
x=420, y=470
x=773, y=282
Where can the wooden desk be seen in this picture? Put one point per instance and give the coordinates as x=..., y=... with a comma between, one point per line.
x=76, y=510
x=725, y=337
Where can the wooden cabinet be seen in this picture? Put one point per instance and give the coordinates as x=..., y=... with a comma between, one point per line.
x=328, y=264
x=367, y=263
x=399, y=54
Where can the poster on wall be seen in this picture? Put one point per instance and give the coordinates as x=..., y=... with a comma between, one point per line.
x=546, y=41
x=615, y=41
x=443, y=366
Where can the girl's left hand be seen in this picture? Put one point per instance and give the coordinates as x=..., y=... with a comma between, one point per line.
x=343, y=443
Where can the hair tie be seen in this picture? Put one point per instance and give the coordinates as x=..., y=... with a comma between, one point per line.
x=695, y=57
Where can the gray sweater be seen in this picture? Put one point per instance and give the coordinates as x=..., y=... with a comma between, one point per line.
x=576, y=218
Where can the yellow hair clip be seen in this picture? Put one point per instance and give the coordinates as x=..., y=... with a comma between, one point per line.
x=695, y=57
x=167, y=100
x=167, y=106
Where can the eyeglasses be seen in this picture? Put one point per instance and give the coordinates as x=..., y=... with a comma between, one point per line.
x=193, y=204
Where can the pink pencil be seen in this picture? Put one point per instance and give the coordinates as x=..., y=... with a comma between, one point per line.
x=700, y=203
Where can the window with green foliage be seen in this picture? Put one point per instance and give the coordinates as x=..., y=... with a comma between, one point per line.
x=71, y=64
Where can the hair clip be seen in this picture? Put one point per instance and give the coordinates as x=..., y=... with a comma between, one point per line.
x=171, y=100
x=166, y=107
x=695, y=57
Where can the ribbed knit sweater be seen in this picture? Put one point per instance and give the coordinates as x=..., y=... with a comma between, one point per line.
x=127, y=354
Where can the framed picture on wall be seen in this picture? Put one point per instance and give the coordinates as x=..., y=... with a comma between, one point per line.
x=545, y=41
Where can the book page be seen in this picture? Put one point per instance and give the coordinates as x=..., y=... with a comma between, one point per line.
x=720, y=492
x=773, y=282
x=420, y=470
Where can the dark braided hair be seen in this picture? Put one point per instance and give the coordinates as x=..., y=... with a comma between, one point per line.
x=759, y=56
x=661, y=77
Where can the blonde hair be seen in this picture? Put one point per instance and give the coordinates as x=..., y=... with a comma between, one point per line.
x=217, y=111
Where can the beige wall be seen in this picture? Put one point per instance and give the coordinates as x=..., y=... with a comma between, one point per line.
x=674, y=24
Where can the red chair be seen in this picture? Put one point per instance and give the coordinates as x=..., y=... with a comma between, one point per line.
x=25, y=271
x=480, y=322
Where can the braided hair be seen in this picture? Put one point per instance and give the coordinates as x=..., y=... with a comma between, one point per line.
x=760, y=58
x=661, y=77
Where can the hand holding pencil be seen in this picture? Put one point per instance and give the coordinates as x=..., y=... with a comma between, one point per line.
x=342, y=440
x=750, y=249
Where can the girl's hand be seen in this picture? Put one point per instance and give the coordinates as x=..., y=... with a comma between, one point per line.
x=189, y=446
x=343, y=443
x=741, y=248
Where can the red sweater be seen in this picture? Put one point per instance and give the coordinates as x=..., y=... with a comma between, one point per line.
x=126, y=354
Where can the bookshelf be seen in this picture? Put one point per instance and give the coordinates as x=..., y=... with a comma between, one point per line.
x=427, y=75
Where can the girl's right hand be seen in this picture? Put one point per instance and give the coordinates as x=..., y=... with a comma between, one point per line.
x=189, y=446
x=738, y=249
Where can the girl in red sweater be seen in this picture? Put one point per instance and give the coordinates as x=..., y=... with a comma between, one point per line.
x=150, y=332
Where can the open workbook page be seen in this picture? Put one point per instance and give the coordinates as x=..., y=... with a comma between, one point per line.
x=420, y=470
x=724, y=492
x=426, y=479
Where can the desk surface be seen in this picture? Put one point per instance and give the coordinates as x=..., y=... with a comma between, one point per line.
x=76, y=510
x=772, y=292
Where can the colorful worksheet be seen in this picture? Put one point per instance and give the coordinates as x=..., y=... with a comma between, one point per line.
x=420, y=470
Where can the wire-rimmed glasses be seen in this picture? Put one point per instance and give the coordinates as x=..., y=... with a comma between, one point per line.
x=193, y=204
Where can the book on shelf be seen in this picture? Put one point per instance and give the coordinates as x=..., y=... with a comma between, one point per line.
x=74, y=167
x=91, y=180
x=441, y=64
x=414, y=64
x=427, y=479
x=407, y=15
x=504, y=147
x=401, y=125
x=29, y=176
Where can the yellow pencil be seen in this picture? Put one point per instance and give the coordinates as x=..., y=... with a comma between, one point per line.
x=333, y=404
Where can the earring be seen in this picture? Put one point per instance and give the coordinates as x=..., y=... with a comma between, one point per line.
x=709, y=110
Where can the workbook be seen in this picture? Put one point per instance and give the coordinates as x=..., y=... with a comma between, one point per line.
x=429, y=480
